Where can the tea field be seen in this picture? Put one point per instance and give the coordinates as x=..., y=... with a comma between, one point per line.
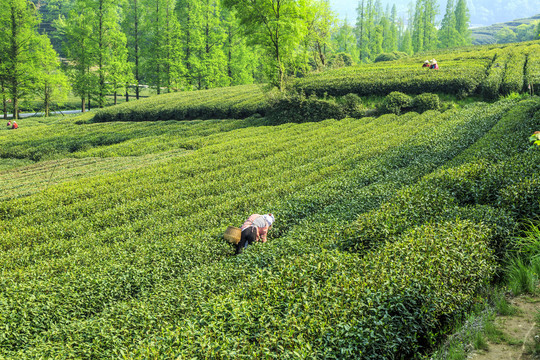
x=487, y=71
x=387, y=228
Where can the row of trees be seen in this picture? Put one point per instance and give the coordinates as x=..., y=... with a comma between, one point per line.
x=178, y=45
x=382, y=31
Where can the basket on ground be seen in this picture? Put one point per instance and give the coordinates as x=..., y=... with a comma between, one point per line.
x=233, y=234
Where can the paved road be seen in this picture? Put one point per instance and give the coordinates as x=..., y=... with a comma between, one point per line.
x=23, y=115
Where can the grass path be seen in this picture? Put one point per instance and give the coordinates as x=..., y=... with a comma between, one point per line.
x=518, y=333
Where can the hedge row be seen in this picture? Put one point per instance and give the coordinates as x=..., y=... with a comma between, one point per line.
x=220, y=103
x=335, y=306
x=492, y=83
x=513, y=75
x=459, y=78
x=532, y=71
x=493, y=181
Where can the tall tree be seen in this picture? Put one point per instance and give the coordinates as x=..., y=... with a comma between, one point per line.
x=279, y=26
x=20, y=40
x=418, y=28
x=320, y=25
x=463, y=22
x=189, y=14
x=51, y=84
x=213, y=70
x=345, y=40
x=132, y=26
x=242, y=60
x=448, y=35
x=80, y=49
x=430, y=11
x=3, y=57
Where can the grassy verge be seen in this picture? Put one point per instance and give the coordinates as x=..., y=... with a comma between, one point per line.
x=479, y=327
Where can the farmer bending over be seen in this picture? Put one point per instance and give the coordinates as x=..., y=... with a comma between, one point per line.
x=255, y=227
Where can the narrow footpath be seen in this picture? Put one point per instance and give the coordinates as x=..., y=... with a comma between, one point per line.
x=520, y=333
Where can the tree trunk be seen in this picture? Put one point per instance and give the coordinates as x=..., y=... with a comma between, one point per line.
x=47, y=92
x=101, y=46
x=4, y=99
x=83, y=104
x=137, y=77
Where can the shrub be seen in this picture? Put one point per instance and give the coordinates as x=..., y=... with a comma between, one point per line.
x=385, y=57
x=340, y=60
x=426, y=101
x=395, y=55
x=395, y=102
x=297, y=108
x=351, y=104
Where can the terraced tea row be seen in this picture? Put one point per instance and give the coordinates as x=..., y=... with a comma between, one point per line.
x=93, y=267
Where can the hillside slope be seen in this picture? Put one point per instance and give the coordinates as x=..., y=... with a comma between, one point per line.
x=385, y=230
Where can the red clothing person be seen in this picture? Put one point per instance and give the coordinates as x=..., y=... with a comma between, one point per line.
x=15, y=125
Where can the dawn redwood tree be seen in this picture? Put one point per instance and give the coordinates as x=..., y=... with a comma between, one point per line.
x=213, y=70
x=463, y=22
x=132, y=26
x=344, y=40
x=448, y=34
x=3, y=57
x=20, y=37
x=242, y=59
x=80, y=50
x=50, y=82
x=417, y=34
x=364, y=28
x=189, y=14
x=278, y=26
x=429, y=32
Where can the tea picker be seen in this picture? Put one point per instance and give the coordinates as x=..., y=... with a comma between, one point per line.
x=254, y=229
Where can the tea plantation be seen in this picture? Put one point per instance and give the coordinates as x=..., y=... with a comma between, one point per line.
x=387, y=227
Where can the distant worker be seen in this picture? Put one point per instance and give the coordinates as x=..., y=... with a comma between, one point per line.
x=426, y=64
x=434, y=65
x=254, y=229
x=14, y=125
x=9, y=123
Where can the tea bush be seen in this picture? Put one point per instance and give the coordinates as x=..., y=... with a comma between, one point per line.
x=130, y=262
x=425, y=101
x=513, y=75
x=396, y=102
x=299, y=109
x=231, y=102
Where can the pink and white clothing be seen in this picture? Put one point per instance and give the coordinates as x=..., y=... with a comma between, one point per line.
x=261, y=223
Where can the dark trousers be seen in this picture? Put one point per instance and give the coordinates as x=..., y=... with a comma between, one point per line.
x=249, y=236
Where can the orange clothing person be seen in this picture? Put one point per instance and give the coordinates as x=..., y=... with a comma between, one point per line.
x=15, y=125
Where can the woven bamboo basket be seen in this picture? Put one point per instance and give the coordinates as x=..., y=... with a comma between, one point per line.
x=233, y=234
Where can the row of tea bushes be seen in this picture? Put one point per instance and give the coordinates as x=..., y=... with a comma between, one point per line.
x=457, y=77
x=336, y=306
x=93, y=248
x=492, y=83
x=221, y=103
x=532, y=72
x=132, y=265
x=497, y=172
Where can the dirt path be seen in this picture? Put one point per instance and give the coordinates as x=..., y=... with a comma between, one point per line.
x=519, y=333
